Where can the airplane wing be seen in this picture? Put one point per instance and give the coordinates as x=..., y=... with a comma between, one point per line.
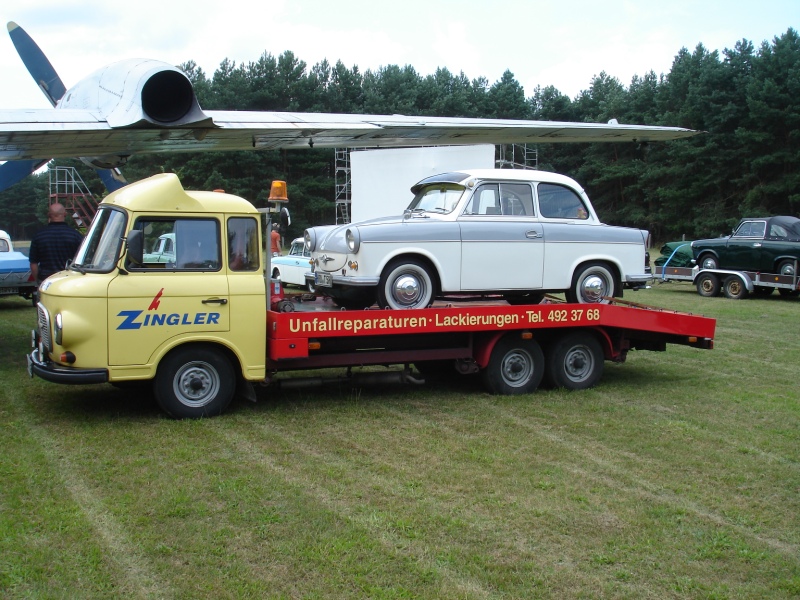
x=63, y=133
x=53, y=88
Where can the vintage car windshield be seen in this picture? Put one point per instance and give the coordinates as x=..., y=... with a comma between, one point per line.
x=440, y=198
x=100, y=248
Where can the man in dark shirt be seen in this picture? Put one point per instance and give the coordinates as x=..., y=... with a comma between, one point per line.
x=54, y=245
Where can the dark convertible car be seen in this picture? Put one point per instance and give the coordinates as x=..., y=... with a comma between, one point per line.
x=766, y=245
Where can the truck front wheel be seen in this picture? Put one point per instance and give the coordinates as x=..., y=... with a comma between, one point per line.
x=516, y=366
x=194, y=382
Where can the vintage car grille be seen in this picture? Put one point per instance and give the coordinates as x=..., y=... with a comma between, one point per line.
x=44, y=327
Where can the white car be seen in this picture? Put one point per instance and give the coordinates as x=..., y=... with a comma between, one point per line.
x=519, y=233
x=292, y=268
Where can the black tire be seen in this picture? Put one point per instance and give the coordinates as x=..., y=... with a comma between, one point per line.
x=524, y=299
x=194, y=381
x=708, y=261
x=516, y=366
x=591, y=283
x=763, y=291
x=734, y=288
x=436, y=369
x=406, y=283
x=707, y=285
x=574, y=361
x=786, y=267
x=788, y=293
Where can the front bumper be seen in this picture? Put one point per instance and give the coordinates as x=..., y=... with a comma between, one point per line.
x=53, y=373
x=341, y=280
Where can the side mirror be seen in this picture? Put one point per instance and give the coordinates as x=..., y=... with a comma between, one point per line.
x=135, y=247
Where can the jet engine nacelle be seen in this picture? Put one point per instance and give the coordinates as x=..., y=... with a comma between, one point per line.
x=137, y=92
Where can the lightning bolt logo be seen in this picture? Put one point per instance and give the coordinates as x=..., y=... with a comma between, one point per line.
x=156, y=301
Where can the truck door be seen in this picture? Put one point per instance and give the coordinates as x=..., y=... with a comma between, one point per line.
x=502, y=242
x=168, y=296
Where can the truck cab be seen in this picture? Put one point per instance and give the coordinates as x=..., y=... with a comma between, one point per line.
x=188, y=316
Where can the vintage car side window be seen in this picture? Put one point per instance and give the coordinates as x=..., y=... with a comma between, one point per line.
x=243, y=247
x=180, y=244
x=485, y=200
x=516, y=199
x=751, y=229
x=776, y=231
x=560, y=202
x=4, y=246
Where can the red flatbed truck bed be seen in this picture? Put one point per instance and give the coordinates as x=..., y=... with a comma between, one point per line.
x=513, y=346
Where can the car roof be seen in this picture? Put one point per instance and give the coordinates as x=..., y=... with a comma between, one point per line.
x=463, y=176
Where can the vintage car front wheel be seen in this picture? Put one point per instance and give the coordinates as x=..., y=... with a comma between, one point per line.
x=591, y=283
x=786, y=267
x=406, y=283
x=708, y=261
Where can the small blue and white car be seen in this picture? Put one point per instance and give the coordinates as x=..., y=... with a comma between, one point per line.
x=518, y=233
x=292, y=268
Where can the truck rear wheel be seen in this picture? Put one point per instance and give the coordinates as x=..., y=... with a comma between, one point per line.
x=194, y=382
x=734, y=288
x=516, y=366
x=574, y=362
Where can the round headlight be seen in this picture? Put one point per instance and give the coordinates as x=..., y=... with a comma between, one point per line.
x=353, y=240
x=310, y=240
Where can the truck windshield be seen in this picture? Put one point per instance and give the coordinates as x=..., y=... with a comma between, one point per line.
x=100, y=248
x=440, y=198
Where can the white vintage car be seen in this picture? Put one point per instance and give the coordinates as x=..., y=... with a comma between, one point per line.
x=518, y=233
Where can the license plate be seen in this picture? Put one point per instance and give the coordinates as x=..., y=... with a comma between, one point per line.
x=323, y=279
x=11, y=290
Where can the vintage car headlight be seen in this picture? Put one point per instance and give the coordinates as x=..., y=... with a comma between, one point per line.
x=310, y=240
x=353, y=239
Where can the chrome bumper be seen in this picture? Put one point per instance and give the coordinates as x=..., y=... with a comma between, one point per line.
x=53, y=373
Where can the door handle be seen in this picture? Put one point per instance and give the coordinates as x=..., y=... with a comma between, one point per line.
x=215, y=301
x=532, y=235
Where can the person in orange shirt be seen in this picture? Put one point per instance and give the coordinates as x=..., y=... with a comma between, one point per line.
x=275, y=241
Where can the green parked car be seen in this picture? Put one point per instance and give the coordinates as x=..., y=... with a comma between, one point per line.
x=765, y=245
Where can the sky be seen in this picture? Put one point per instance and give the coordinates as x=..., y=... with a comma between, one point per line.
x=563, y=43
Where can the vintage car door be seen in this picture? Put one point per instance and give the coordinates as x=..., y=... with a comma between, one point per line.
x=745, y=246
x=502, y=242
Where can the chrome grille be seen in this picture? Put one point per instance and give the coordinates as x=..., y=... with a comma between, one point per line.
x=44, y=327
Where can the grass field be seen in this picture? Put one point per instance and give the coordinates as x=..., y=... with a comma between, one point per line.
x=677, y=477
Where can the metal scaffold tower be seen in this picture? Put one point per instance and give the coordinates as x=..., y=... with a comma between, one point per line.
x=67, y=188
x=343, y=186
x=517, y=156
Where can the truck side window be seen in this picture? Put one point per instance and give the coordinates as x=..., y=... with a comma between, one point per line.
x=177, y=244
x=560, y=202
x=243, y=247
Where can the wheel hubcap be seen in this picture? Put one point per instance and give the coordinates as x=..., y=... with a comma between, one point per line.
x=196, y=384
x=578, y=364
x=517, y=368
x=594, y=288
x=407, y=290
